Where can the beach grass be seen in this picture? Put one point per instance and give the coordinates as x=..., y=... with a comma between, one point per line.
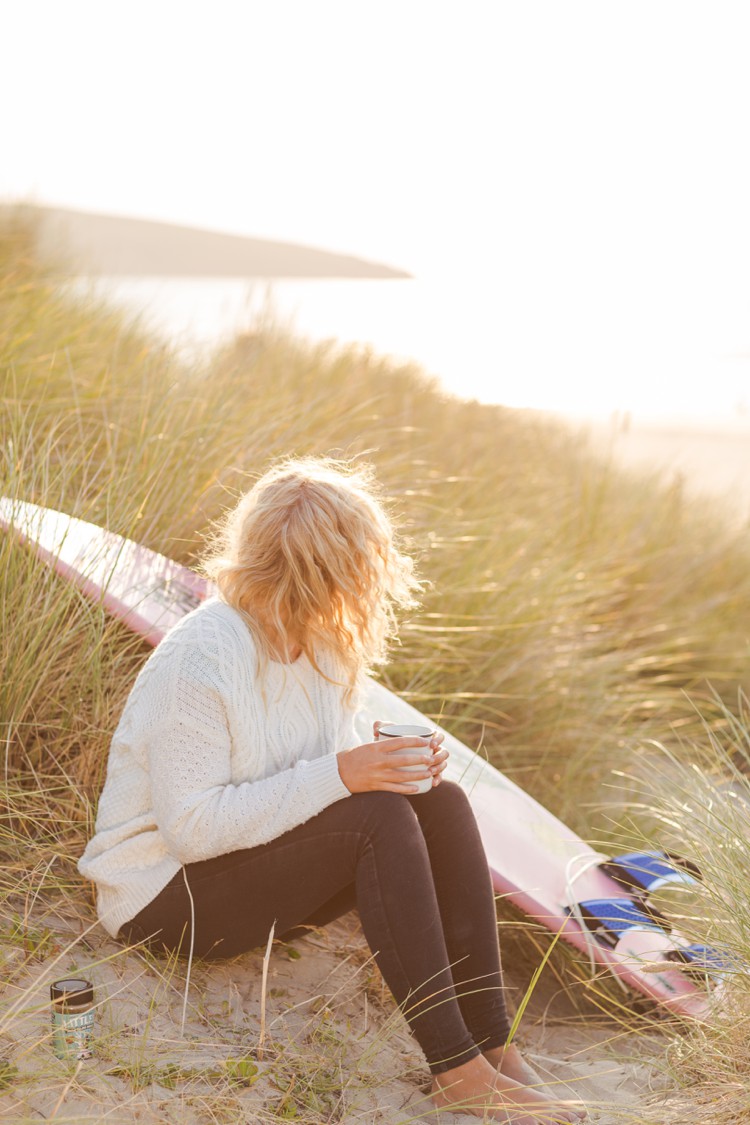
x=583, y=627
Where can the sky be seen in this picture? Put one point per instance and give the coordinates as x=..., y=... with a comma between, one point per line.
x=582, y=167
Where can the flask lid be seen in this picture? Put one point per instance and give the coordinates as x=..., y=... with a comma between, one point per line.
x=72, y=990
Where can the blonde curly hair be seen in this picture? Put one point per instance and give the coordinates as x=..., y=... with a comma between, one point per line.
x=311, y=552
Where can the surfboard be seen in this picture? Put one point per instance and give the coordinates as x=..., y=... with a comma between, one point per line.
x=537, y=862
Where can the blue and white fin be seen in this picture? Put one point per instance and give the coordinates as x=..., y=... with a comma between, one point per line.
x=643, y=873
x=609, y=918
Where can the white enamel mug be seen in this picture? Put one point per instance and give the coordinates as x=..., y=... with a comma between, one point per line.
x=406, y=730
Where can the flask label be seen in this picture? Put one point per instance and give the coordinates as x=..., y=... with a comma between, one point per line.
x=72, y=1034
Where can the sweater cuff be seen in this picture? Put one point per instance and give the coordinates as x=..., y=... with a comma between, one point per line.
x=324, y=781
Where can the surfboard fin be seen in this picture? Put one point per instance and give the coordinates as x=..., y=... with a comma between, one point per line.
x=609, y=918
x=642, y=873
x=704, y=961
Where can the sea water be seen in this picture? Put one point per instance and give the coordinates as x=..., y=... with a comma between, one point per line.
x=459, y=331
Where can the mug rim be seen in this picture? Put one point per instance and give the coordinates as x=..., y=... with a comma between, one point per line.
x=407, y=730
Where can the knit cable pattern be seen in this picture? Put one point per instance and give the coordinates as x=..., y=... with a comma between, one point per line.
x=206, y=759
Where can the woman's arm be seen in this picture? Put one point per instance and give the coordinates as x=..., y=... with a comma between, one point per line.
x=198, y=809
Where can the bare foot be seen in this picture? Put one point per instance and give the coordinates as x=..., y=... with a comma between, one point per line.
x=476, y=1087
x=510, y=1062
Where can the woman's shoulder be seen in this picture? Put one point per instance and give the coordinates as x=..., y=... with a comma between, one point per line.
x=212, y=635
x=213, y=619
x=203, y=651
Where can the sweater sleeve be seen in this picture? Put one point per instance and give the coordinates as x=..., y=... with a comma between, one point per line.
x=198, y=810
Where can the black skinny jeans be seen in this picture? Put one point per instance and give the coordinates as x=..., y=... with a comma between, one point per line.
x=415, y=869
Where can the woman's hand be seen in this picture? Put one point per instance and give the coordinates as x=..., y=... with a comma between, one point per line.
x=371, y=766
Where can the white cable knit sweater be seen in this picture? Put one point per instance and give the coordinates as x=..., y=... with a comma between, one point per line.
x=200, y=765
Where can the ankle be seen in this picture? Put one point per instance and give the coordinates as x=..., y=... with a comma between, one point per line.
x=475, y=1069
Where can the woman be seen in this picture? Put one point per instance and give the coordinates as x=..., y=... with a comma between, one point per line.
x=237, y=796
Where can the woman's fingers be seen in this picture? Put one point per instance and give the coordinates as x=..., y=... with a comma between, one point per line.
x=409, y=758
x=417, y=771
x=439, y=762
x=399, y=787
x=434, y=761
x=382, y=764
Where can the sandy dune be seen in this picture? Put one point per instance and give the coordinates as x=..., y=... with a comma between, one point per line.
x=334, y=1047
x=712, y=461
x=116, y=246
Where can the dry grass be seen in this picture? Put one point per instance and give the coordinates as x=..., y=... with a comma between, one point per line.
x=574, y=615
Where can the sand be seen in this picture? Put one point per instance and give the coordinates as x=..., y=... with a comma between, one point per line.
x=334, y=1047
x=709, y=460
x=118, y=246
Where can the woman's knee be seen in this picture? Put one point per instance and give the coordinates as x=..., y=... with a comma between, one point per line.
x=450, y=795
x=384, y=810
x=447, y=803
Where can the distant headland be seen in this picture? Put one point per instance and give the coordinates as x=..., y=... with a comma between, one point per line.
x=84, y=243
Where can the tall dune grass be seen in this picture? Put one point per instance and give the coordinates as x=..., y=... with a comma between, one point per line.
x=574, y=613
x=571, y=607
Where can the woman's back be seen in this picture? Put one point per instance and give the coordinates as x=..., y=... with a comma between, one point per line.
x=199, y=730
